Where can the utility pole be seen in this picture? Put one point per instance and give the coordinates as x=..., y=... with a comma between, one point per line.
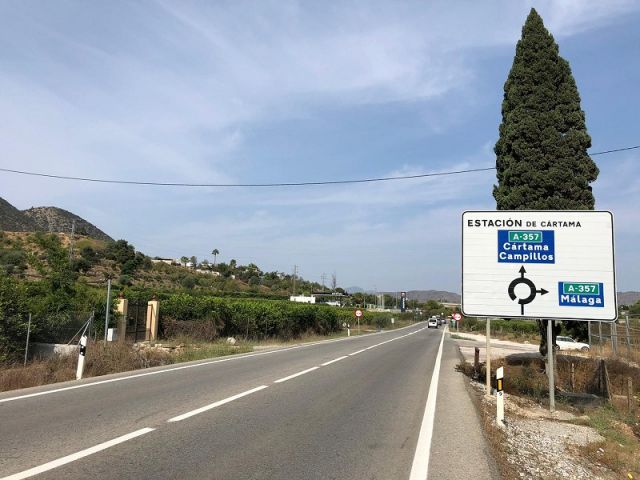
x=323, y=277
x=295, y=273
x=106, y=315
x=73, y=231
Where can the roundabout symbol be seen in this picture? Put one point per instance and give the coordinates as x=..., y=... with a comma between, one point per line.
x=532, y=290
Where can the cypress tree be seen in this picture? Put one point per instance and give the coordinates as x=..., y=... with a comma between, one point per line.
x=541, y=156
x=542, y=161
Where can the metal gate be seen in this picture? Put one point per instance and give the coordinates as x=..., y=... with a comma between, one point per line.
x=136, y=322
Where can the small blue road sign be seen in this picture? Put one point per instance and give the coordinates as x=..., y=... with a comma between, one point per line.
x=580, y=294
x=526, y=246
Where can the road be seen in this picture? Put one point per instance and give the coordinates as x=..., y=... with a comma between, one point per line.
x=354, y=408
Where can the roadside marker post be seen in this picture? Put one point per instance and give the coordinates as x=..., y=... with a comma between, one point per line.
x=500, y=396
x=26, y=348
x=81, y=355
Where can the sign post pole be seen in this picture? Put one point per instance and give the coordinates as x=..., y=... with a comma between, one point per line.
x=551, y=367
x=488, y=355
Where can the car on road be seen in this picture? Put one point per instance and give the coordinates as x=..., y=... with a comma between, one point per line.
x=432, y=323
x=568, y=343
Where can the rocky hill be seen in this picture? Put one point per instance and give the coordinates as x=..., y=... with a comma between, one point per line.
x=13, y=220
x=53, y=219
x=46, y=219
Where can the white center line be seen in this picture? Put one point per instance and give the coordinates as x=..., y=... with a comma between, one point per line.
x=76, y=456
x=296, y=374
x=216, y=404
x=420, y=466
x=333, y=361
x=356, y=353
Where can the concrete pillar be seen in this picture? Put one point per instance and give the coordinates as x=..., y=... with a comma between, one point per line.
x=153, y=315
x=122, y=307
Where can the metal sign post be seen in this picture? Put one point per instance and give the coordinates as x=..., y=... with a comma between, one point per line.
x=488, y=355
x=358, y=315
x=551, y=367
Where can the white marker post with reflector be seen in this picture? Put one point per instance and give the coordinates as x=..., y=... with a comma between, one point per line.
x=500, y=396
x=83, y=351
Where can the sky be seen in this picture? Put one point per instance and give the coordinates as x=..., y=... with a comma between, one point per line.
x=295, y=91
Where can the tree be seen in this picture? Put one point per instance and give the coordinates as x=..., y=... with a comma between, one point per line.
x=215, y=252
x=541, y=156
x=194, y=261
x=184, y=260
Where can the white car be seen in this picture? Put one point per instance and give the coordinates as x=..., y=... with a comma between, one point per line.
x=568, y=343
x=432, y=323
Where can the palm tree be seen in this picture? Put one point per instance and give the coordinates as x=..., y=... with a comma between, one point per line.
x=215, y=252
x=184, y=261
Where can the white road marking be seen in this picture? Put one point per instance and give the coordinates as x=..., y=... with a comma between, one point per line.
x=296, y=375
x=216, y=404
x=333, y=361
x=356, y=353
x=167, y=370
x=420, y=466
x=76, y=456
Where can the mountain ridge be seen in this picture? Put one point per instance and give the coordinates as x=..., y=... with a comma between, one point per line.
x=46, y=219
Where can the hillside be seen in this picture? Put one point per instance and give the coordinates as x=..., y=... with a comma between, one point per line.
x=13, y=220
x=46, y=219
x=53, y=219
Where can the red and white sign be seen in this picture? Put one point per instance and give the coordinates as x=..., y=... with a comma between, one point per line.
x=457, y=316
x=358, y=313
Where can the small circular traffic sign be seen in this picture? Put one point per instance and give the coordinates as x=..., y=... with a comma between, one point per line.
x=457, y=316
x=344, y=324
x=358, y=313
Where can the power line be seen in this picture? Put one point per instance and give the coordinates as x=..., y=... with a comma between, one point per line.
x=277, y=184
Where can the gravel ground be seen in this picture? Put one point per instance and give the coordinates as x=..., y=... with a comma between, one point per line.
x=541, y=445
x=540, y=449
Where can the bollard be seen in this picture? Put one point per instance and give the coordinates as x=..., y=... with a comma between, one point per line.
x=500, y=396
x=83, y=351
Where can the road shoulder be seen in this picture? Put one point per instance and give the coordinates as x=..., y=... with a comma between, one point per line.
x=458, y=448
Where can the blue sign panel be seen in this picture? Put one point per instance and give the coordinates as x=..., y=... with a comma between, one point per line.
x=580, y=294
x=526, y=246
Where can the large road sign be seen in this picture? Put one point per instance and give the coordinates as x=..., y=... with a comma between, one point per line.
x=538, y=264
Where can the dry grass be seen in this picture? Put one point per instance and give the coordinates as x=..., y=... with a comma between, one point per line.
x=620, y=451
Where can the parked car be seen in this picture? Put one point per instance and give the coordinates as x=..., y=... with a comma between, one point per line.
x=568, y=343
x=432, y=323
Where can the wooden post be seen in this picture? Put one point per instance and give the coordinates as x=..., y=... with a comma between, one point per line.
x=600, y=336
x=573, y=377
x=613, y=329
x=626, y=325
x=630, y=404
x=476, y=360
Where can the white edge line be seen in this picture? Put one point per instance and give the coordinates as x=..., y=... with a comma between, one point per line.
x=216, y=404
x=201, y=364
x=333, y=361
x=296, y=375
x=356, y=353
x=77, y=456
x=420, y=466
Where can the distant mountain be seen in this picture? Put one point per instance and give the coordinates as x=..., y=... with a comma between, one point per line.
x=46, y=219
x=628, y=298
x=351, y=290
x=438, y=295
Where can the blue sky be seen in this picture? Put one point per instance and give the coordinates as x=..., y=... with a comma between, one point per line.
x=285, y=91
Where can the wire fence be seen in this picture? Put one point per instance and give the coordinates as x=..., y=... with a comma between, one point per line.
x=621, y=338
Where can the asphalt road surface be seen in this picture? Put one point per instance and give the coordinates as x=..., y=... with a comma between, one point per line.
x=354, y=408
